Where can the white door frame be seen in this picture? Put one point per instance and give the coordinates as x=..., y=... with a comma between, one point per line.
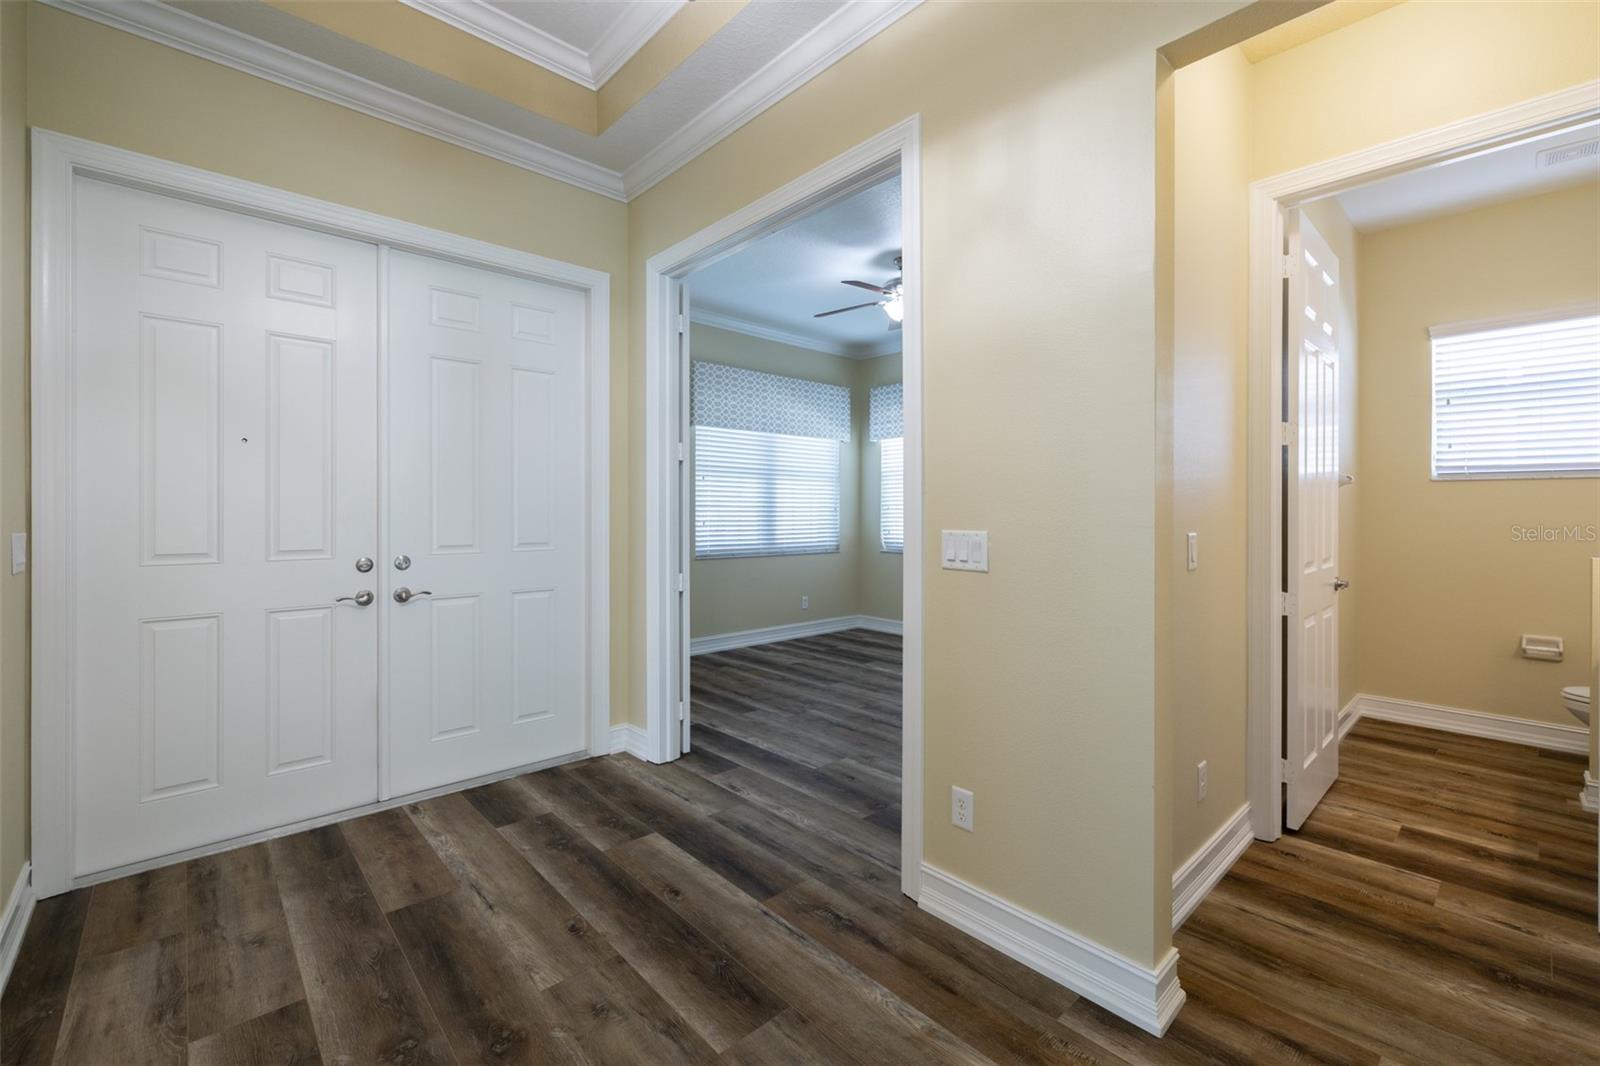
x=1269, y=199
x=58, y=161
x=896, y=148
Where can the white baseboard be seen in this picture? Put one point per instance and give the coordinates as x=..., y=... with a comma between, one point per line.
x=1202, y=870
x=1590, y=796
x=1149, y=998
x=1349, y=716
x=746, y=638
x=14, y=921
x=1472, y=723
x=630, y=739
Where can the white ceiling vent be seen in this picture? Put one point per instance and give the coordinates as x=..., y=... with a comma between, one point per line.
x=1569, y=153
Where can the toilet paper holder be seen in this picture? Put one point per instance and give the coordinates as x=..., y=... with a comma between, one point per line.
x=1547, y=649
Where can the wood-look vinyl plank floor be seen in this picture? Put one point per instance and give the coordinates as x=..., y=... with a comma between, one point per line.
x=742, y=907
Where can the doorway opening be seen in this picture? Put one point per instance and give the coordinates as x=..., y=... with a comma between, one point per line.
x=783, y=504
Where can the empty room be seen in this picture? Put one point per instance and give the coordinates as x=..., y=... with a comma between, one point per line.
x=826, y=531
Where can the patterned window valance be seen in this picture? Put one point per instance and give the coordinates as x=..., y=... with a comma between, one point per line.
x=884, y=419
x=730, y=397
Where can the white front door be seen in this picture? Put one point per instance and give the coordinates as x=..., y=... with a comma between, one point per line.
x=224, y=432
x=1311, y=558
x=486, y=502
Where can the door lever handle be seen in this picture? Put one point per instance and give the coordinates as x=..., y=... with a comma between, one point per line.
x=405, y=595
x=363, y=598
x=1340, y=584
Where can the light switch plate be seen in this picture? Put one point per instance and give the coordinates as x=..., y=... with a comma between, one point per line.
x=19, y=552
x=964, y=549
x=1193, y=540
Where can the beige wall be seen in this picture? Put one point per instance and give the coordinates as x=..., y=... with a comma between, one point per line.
x=1449, y=590
x=1330, y=220
x=13, y=442
x=1207, y=624
x=879, y=580
x=1039, y=356
x=731, y=595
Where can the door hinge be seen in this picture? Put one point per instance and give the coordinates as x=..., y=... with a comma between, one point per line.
x=683, y=452
x=683, y=585
x=683, y=710
x=1287, y=767
x=1286, y=265
x=1286, y=433
x=682, y=323
x=1285, y=604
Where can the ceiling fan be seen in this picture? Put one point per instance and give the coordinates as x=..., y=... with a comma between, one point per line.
x=892, y=304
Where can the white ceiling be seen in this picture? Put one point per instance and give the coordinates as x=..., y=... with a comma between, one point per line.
x=1505, y=173
x=773, y=287
x=586, y=42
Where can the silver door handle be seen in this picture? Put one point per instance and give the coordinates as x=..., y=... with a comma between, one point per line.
x=363, y=598
x=405, y=595
x=1340, y=584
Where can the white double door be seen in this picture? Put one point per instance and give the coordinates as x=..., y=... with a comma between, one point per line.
x=230, y=499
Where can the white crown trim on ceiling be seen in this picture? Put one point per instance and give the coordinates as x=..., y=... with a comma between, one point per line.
x=637, y=24
x=733, y=324
x=841, y=33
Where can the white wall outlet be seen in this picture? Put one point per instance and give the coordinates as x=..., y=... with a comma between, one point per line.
x=1200, y=781
x=961, y=808
x=1193, y=540
x=965, y=549
x=805, y=603
x=19, y=552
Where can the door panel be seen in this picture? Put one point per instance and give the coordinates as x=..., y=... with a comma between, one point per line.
x=1312, y=362
x=224, y=482
x=487, y=465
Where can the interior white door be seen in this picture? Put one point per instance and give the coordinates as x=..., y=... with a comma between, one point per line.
x=1311, y=558
x=485, y=643
x=224, y=405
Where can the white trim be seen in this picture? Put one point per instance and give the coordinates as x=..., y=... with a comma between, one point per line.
x=897, y=147
x=1201, y=871
x=630, y=739
x=333, y=818
x=1569, y=738
x=1269, y=198
x=57, y=162
x=746, y=638
x=592, y=69
x=14, y=922
x=1147, y=997
x=178, y=29
x=1589, y=797
x=853, y=25
x=1527, y=318
x=700, y=316
x=1349, y=716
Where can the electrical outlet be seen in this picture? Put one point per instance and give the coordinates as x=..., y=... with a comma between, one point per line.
x=1200, y=780
x=805, y=603
x=961, y=808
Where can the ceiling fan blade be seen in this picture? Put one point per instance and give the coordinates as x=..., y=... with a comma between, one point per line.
x=842, y=310
x=893, y=326
x=869, y=287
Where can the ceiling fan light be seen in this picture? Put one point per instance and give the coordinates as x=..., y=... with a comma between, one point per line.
x=894, y=308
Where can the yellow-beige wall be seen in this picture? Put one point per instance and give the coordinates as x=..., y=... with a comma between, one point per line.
x=13, y=442
x=1450, y=587
x=733, y=595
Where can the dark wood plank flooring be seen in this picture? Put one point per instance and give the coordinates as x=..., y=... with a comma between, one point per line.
x=742, y=906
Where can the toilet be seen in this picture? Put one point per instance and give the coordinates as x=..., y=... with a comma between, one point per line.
x=1576, y=697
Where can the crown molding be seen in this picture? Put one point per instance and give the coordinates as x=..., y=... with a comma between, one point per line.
x=178, y=29
x=836, y=37
x=734, y=324
x=637, y=24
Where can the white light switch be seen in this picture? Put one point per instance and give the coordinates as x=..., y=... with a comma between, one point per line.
x=1194, y=551
x=19, y=552
x=965, y=549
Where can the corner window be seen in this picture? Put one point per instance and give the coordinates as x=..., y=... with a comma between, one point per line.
x=891, y=494
x=1517, y=398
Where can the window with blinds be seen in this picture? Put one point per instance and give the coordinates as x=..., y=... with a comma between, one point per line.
x=1517, y=400
x=892, y=498
x=764, y=493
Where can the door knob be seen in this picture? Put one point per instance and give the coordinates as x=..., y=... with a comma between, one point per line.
x=1340, y=584
x=363, y=598
x=363, y=565
x=405, y=595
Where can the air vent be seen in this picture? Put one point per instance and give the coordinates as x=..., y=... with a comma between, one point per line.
x=1569, y=153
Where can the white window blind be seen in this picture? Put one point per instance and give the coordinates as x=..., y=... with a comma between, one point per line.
x=1517, y=399
x=764, y=493
x=891, y=493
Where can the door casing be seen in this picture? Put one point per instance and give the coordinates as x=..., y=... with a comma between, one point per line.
x=1270, y=199
x=58, y=161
